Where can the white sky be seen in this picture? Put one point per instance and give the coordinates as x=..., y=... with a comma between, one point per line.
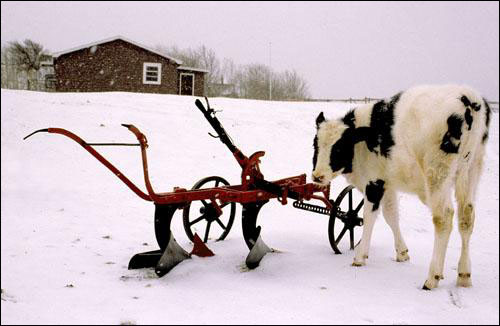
x=341, y=48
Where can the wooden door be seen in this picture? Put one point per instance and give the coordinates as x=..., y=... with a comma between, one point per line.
x=187, y=84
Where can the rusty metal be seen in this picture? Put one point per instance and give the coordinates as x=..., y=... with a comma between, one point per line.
x=199, y=248
x=253, y=192
x=98, y=156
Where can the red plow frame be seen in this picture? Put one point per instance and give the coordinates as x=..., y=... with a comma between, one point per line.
x=253, y=192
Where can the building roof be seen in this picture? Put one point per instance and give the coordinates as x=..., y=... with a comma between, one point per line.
x=118, y=37
x=192, y=69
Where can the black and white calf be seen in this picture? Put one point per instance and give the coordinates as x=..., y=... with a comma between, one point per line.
x=429, y=141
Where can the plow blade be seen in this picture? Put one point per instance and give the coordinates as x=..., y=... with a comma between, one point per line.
x=145, y=259
x=166, y=260
x=172, y=256
x=258, y=251
x=252, y=234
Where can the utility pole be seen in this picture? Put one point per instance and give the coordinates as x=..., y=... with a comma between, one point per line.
x=270, y=74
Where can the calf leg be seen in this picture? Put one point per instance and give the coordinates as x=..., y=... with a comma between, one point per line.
x=465, y=188
x=362, y=249
x=391, y=215
x=466, y=217
x=374, y=192
x=442, y=217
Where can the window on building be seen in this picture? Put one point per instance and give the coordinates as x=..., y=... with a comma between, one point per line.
x=151, y=73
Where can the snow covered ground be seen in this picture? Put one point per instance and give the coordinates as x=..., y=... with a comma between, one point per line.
x=69, y=226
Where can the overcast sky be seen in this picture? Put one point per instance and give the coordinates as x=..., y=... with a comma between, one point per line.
x=342, y=49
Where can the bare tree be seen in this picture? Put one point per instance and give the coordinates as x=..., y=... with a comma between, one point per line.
x=187, y=56
x=256, y=81
x=27, y=57
x=292, y=86
x=12, y=76
x=248, y=81
x=253, y=82
x=6, y=67
x=209, y=61
x=228, y=77
x=228, y=69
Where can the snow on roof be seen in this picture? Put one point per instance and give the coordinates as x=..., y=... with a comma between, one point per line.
x=192, y=69
x=118, y=37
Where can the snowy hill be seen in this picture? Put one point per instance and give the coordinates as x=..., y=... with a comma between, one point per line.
x=69, y=226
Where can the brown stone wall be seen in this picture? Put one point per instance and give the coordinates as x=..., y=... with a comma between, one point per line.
x=113, y=66
x=199, y=81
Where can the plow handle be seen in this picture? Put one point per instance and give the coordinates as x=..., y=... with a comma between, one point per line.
x=100, y=158
x=215, y=123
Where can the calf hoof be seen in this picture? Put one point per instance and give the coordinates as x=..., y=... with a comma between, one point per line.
x=432, y=283
x=402, y=256
x=357, y=263
x=464, y=280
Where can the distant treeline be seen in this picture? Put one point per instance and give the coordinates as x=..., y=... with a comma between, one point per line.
x=252, y=81
x=25, y=66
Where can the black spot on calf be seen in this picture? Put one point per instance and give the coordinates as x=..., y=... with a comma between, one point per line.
x=320, y=119
x=468, y=104
x=349, y=119
x=342, y=152
x=468, y=118
x=315, y=155
x=488, y=114
x=374, y=192
x=451, y=139
x=381, y=122
x=485, y=137
x=394, y=100
x=465, y=100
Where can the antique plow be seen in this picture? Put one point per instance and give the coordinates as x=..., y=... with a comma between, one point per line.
x=253, y=193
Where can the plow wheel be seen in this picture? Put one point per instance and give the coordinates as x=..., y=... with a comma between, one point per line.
x=344, y=217
x=205, y=219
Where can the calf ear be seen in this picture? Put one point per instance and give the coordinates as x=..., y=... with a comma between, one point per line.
x=320, y=119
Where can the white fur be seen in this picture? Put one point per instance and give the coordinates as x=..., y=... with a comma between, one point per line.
x=417, y=165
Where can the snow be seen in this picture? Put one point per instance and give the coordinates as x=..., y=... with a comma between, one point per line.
x=69, y=226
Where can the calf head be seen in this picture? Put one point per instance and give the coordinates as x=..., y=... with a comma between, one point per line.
x=334, y=148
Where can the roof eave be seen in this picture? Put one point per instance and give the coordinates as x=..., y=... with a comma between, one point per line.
x=111, y=39
x=192, y=69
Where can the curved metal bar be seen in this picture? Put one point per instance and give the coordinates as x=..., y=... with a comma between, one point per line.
x=163, y=218
x=112, y=144
x=249, y=222
x=34, y=132
x=144, y=145
x=98, y=156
